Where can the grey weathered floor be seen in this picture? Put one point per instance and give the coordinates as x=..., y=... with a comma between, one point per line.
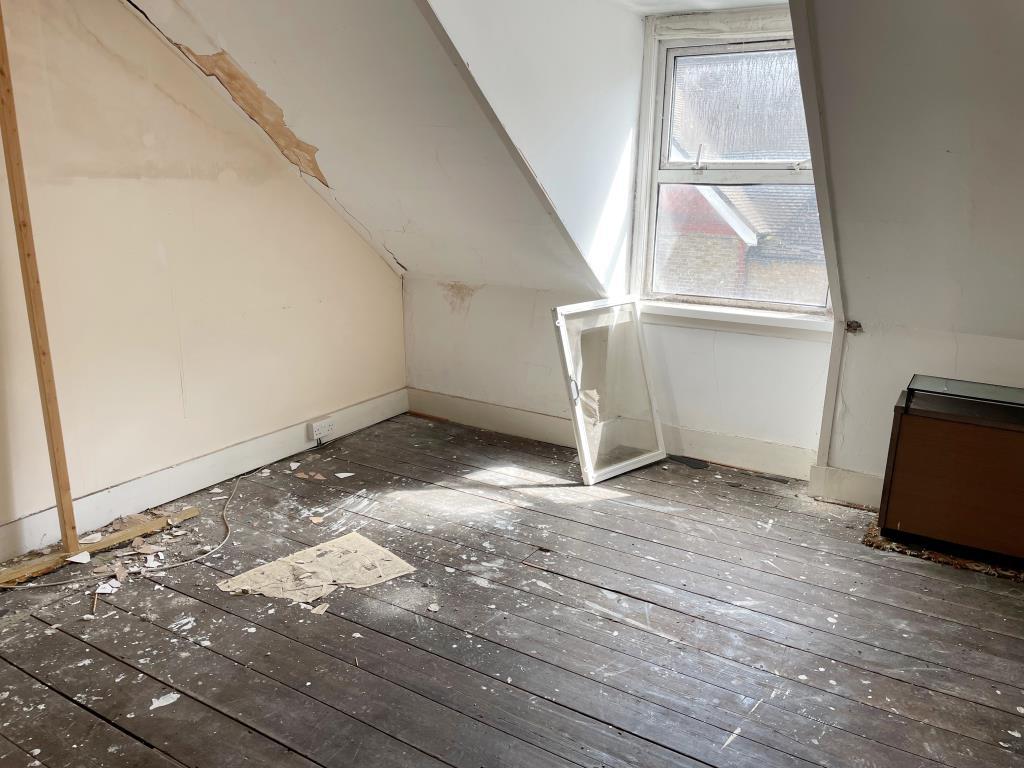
x=677, y=616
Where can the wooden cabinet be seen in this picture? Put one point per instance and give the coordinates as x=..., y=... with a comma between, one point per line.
x=955, y=474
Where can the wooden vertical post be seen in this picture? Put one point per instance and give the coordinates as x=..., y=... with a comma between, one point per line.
x=34, y=300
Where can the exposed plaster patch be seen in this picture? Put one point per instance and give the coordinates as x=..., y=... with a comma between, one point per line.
x=254, y=101
x=173, y=21
x=459, y=295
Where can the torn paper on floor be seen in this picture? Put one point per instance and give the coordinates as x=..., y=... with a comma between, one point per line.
x=348, y=561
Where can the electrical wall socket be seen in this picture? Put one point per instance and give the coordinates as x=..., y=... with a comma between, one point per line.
x=320, y=430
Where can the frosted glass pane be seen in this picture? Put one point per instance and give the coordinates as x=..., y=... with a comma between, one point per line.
x=740, y=106
x=604, y=352
x=759, y=242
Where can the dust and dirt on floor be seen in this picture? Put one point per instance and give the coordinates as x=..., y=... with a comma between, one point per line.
x=874, y=539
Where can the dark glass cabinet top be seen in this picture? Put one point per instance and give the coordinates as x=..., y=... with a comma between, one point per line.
x=971, y=390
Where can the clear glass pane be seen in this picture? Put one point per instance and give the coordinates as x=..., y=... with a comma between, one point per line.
x=760, y=242
x=740, y=106
x=604, y=353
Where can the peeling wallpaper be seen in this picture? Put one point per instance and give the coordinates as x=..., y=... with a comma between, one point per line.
x=256, y=104
x=410, y=154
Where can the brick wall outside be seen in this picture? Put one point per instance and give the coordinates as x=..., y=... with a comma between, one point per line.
x=715, y=265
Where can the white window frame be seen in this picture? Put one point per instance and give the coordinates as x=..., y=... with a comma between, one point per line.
x=591, y=474
x=668, y=37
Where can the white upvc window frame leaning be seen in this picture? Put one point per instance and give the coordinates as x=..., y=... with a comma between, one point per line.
x=588, y=468
x=668, y=37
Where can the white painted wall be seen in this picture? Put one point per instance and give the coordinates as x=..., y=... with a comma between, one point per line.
x=198, y=293
x=746, y=398
x=563, y=80
x=750, y=398
x=563, y=77
x=923, y=129
x=496, y=346
x=411, y=153
x=405, y=146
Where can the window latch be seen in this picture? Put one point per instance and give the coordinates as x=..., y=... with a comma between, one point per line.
x=696, y=163
x=802, y=165
x=574, y=390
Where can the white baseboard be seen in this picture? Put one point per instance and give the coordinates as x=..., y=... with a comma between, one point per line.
x=735, y=451
x=742, y=452
x=498, y=418
x=94, y=510
x=846, y=486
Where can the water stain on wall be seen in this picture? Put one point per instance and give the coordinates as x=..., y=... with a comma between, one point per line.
x=254, y=101
x=459, y=295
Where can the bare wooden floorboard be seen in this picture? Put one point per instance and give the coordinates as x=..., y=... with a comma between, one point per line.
x=780, y=597
x=486, y=564
x=560, y=730
x=659, y=675
x=900, y=730
x=54, y=730
x=685, y=485
x=779, y=486
x=539, y=471
x=293, y=715
x=813, y=685
x=823, y=642
x=468, y=435
x=836, y=540
x=655, y=722
x=155, y=713
x=705, y=555
x=922, y=594
x=13, y=756
x=676, y=616
x=687, y=734
x=316, y=697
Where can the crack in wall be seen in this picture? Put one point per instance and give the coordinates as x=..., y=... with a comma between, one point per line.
x=269, y=116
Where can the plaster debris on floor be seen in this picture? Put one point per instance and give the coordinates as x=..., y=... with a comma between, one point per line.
x=108, y=587
x=163, y=701
x=351, y=560
x=874, y=538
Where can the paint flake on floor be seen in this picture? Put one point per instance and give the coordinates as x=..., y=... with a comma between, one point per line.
x=163, y=701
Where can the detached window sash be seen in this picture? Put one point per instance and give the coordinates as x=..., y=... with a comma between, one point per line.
x=734, y=217
x=605, y=364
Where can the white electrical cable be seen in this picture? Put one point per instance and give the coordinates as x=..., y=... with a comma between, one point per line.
x=227, y=533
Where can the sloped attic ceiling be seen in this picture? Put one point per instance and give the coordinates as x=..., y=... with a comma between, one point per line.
x=563, y=78
x=408, y=152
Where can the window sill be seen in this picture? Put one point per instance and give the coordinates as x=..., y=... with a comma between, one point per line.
x=761, y=322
